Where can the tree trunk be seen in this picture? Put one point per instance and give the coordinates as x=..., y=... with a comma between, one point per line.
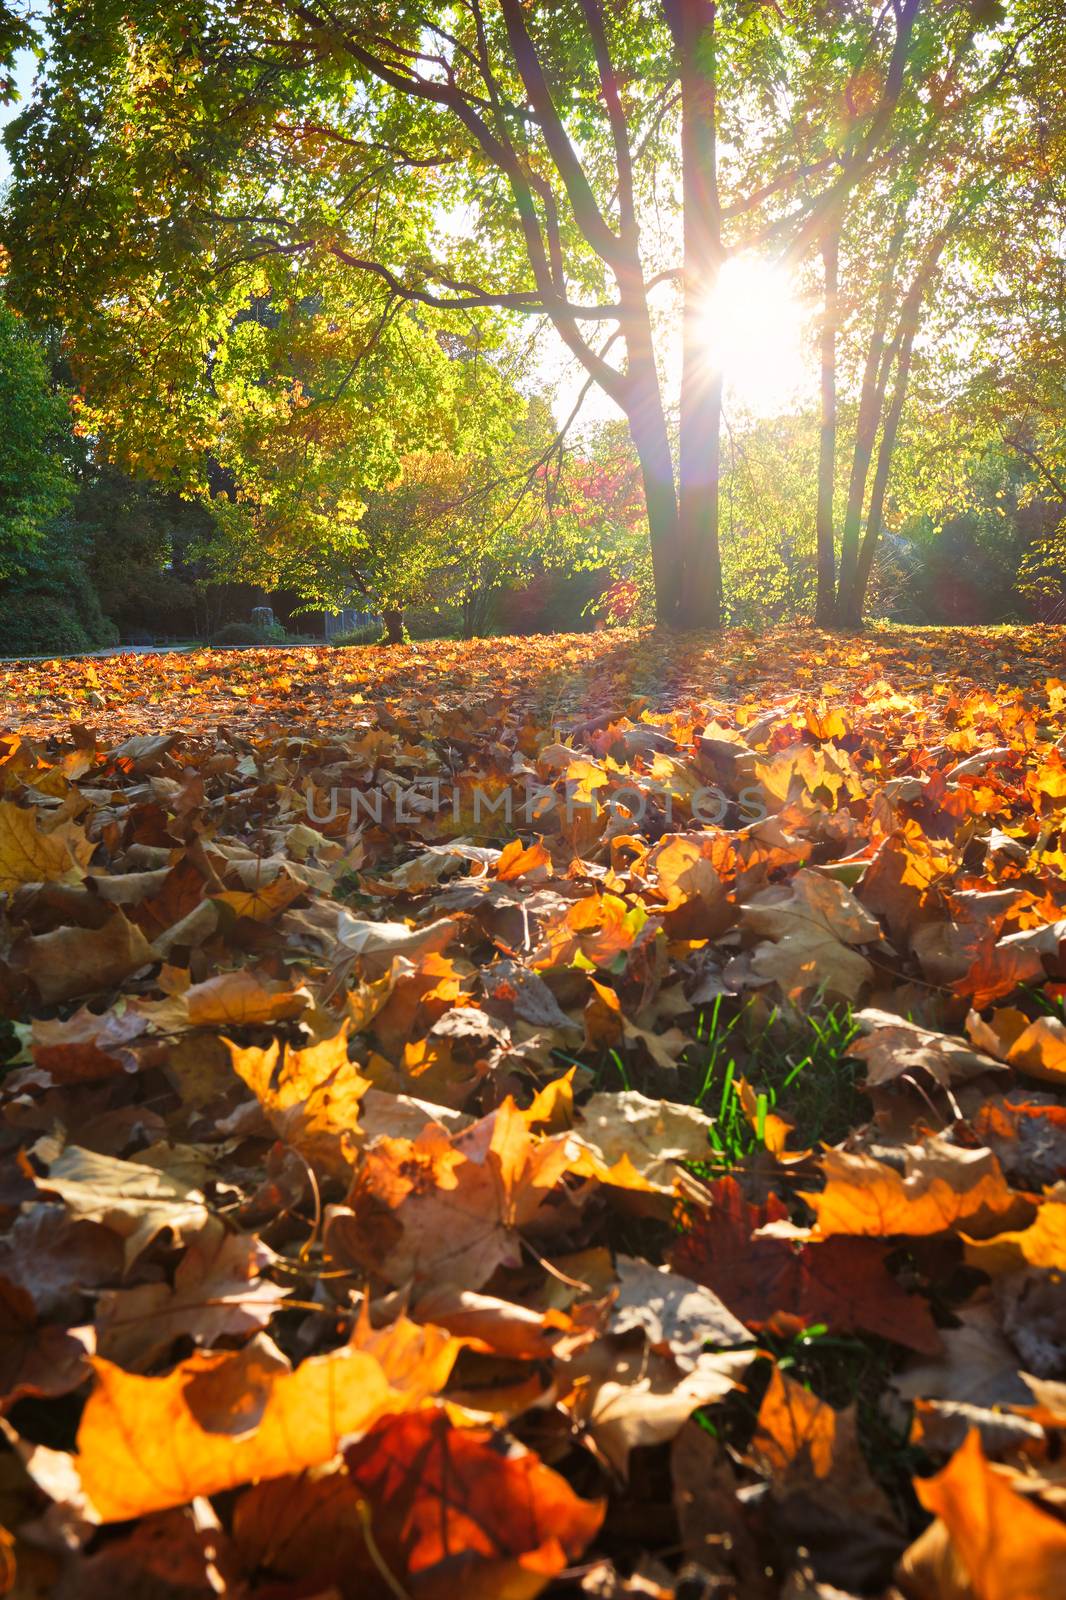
x=647, y=427
x=852, y=598
x=393, y=620
x=700, y=577
x=825, y=609
x=871, y=401
x=889, y=432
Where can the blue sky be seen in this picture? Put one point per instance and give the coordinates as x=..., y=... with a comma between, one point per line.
x=25, y=66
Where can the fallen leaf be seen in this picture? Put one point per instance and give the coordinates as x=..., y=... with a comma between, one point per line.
x=134, y=1200
x=30, y=854
x=945, y=1187
x=235, y=999
x=218, y=1293
x=783, y=1286
x=638, y=1141
x=461, y=1507
x=677, y=1317
x=809, y=931
x=218, y=1420
x=1008, y=1548
x=311, y=1098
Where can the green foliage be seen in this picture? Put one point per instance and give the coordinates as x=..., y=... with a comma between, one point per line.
x=139, y=538
x=371, y=634
x=36, y=481
x=797, y=1070
x=38, y=625
x=51, y=605
x=244, y=633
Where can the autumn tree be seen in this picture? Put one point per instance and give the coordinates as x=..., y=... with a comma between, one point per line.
x=574, y=163
x=921, y=246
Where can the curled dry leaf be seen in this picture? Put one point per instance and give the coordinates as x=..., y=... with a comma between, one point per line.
x=1036, y=1049
x=810, y=931
x=87, y=1046
x=893, y=1047
x=218, y=1293
x=1006, y=1548
x=623, y=1399
x=1041, y=1244
x=134, y=1200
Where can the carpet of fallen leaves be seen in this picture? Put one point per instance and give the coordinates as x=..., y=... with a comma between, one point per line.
x=370, y=1227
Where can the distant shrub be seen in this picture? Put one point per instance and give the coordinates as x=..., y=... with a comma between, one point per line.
x=425, y=622
x=368, y=635
x=50, y=606
x=38, y=625
x=246, y=633
x=240, y=633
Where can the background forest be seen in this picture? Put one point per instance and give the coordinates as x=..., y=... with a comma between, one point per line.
x=369, y=358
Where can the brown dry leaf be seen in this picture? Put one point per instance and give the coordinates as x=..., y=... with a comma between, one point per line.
x=380, y=942
x=716, y=1531
x=676, y=1316
x=218, y=1293
x=35, y=1358
x=449, y=1209
x=86, y=1046
x=1007, y=1547
x=54, y=1256
x=939, y=1427
x=894, y=1047
x=311, y=1099
x=977, y=1366
x=134, y=1200
x=810, y=928
x=497, y=1325
x=638, y=1142
x=222, y=1419
x=624, y=1399
x=74, y=962
x=821, y=1490
x=944, y=1188
x=308, y=1527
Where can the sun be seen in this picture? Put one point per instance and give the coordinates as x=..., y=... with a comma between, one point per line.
x=754, y=326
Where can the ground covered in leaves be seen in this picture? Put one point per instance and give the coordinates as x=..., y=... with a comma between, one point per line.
x=583, y=1114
